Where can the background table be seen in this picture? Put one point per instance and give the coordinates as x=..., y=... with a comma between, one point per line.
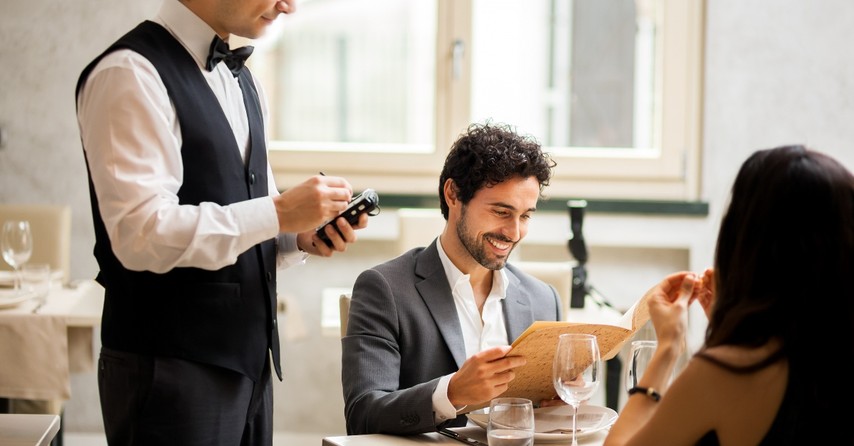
x=80, y=303
x=27, y=430
x=39, y=351
x=43, y=348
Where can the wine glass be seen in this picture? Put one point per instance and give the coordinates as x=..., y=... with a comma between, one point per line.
x=639, y=355
x=16, y=243
x=511, y=422
x=576, y=372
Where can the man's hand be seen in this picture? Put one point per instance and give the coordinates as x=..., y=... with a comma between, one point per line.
x=483, y=376
x=311, y=243
x=307, y=205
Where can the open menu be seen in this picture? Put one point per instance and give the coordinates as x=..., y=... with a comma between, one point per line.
x=538, y=344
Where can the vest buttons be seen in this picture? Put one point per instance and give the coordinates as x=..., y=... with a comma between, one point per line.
x=269, y=276
x=251, y=177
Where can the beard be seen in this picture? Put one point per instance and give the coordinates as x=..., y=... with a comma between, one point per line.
x=476, y=246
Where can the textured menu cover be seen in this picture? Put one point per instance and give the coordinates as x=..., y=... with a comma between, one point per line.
x=538, y=344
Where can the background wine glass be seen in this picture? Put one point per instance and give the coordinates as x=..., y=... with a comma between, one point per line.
x=16, y=244
x=576, y=372
x=511, y=422
x=639, y=355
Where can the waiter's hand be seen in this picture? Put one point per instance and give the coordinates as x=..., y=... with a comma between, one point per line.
x=307, y=205
x=312, y=244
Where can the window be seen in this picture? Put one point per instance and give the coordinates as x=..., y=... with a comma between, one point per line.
x=377, y=90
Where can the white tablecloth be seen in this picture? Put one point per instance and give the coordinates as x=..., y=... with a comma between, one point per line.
x=38, y=352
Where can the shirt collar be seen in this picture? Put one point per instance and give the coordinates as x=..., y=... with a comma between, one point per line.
x=193, y=33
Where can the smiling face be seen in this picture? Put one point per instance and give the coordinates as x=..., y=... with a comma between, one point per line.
x=484, y=232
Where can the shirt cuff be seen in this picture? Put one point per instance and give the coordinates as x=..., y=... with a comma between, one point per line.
x=288, y=253
x=443, y=410
x=256, y=218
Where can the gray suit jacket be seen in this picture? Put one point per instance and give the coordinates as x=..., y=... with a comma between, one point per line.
x=403, y=334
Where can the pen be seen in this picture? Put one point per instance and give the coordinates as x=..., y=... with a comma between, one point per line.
x=321, y=172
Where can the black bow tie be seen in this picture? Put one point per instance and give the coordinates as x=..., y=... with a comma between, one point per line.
x=234, y=60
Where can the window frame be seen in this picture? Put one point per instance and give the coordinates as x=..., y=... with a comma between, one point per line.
x=671, y=173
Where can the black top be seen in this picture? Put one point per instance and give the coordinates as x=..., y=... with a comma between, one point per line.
x=784, y=429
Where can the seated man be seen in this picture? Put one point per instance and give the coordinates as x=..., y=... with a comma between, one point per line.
x=428, y=331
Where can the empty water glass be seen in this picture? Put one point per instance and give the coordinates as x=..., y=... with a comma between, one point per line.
x=639, y=355
x=511, y=422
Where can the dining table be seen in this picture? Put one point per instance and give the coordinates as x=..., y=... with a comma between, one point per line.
x=43, y=343
x=474, y=433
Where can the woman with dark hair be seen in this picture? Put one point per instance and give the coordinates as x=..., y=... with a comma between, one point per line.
x=780, y=303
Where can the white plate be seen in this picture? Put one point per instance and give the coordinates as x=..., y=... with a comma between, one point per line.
x=7, y=279
x=547, y=419
x=9, y=298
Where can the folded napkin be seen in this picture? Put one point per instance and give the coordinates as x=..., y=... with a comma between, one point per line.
x=34, y=352
x=559, y=419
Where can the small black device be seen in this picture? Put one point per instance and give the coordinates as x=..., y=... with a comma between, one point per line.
x=367, y=202
x=459, y=437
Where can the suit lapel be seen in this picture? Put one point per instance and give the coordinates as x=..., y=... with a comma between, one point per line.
x=518, y=314
x=438, y=298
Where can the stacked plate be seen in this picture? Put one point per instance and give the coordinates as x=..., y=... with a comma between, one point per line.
x=9, y=297
x=554, y=424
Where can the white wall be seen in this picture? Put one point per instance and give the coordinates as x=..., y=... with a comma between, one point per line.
x=776, y=72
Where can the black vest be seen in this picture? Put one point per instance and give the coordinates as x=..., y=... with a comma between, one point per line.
x=226, y=317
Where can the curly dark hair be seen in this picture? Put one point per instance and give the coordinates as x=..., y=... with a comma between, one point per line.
x=488, y=154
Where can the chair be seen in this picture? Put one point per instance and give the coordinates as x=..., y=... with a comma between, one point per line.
x=557, y=274
x=344, y=312
x=51, y=228
x=418, y=227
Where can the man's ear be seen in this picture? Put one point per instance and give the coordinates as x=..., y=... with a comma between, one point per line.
x=450, y=191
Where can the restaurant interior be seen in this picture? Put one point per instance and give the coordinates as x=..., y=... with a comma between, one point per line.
x=751, y=75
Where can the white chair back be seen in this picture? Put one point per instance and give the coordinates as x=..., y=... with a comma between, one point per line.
x=418, y=227
x=557, y=274
x=344, y=312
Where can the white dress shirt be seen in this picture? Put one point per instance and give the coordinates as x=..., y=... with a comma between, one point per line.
x=132, y=141
x=480, y=331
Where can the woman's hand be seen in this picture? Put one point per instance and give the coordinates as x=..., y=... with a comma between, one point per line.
x=668, y=305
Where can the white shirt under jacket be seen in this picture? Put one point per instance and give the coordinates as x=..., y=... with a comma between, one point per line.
x=133, y=142
x=480, y=331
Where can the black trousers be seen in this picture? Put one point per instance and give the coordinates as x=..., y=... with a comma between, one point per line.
x=149, y=400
